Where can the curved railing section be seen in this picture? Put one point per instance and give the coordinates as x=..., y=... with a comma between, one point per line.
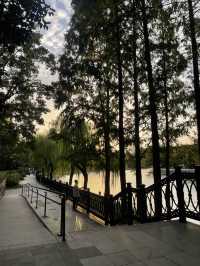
x=179, y=198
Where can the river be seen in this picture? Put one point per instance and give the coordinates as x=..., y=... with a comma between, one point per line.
x=96, y=180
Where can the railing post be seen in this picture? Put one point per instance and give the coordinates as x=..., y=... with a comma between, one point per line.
x=88, y=201
x=106, y=209
x=180, y=194
x=28, y=190
x=22, y=190
x=167, y=198
x=36, y=204
x=45, y=204
x=67, y=191
x=142, y=204
x=63, y=217
x=111, y=210
x=197, y=177
x=129, y=204
x=158, y=200
x=32, y=195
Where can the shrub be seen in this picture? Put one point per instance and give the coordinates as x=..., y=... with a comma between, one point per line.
x=3, y=175
x=13, y=178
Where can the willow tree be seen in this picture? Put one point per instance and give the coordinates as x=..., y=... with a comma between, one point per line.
x=79, y=145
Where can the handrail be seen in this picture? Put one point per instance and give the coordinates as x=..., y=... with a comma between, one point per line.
x=35, y=190
x=48, y=190
x=163, y=181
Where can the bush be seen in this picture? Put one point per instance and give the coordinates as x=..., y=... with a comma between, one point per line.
x=3, y=175
x=13, y=178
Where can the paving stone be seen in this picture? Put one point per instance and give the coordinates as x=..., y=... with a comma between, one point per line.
x=122, y=258
x=183, y=259
x=87, y=252
x=96, y=261
x=161, y=262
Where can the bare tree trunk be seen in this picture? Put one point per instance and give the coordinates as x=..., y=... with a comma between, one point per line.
x=136, y=102
x=83, y=170
x=107, y=143
x=195, y=57
x=71, y=175
x=120, y=105
x=167, y=136
x=51, y=169
x=153, y=114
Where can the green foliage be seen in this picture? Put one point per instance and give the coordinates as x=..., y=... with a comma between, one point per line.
x=12, y=178
x=19, y=19
x=45, y=155
x=22, y=95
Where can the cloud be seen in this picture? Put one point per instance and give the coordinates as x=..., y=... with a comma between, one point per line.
x=53, y=40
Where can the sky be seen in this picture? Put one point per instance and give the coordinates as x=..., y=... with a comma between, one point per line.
x=53, y=40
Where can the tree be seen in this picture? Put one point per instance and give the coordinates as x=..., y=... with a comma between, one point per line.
x=174, y=99
x=136, y=100
x=22, y=95
x=153, y=113
x=79, y=147
x=195, y=58
x=45, y=155
x=19, y=19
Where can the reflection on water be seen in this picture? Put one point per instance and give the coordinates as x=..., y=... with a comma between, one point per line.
x=96, y=180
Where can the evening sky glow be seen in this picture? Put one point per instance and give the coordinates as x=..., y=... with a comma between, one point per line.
x=53, y=40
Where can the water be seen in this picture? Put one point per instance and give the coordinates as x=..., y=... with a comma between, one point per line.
x=96, y=180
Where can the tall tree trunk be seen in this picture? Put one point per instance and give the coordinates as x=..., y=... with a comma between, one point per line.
x=153, y=114
x=166, y=108
x=85, y=174
x=167, y=134
x=51, y=170
x=83, y=170
x=120, y=105
x=71, y=175
x=136, y=102
x=107, y=143
x=195, y=57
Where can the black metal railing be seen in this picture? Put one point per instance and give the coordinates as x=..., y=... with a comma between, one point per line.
x=34, y=194
x=179, y=198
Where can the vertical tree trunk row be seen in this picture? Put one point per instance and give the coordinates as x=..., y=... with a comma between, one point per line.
x=195, y=57
x=153, y=114
x=136, y=102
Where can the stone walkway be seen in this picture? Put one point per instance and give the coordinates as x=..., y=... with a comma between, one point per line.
x=153, y=244
x=75, y=220
x=24, y=241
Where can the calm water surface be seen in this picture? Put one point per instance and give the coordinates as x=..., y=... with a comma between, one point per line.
x=96, y=180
